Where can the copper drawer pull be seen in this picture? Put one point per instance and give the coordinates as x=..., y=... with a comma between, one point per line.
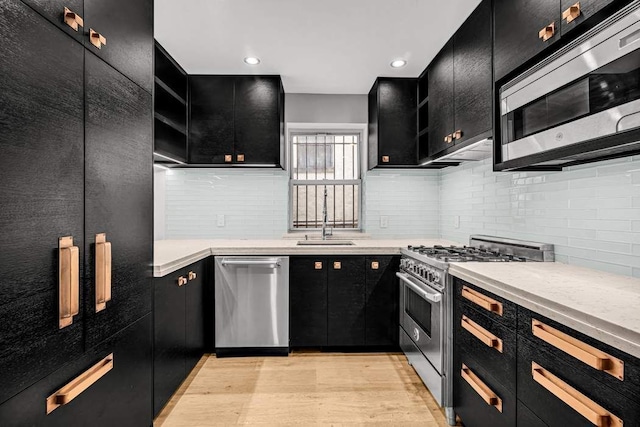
x=375, y=265
x=318, y=265
x=103, y=271
x=580, y=403
x=481, y=388
x=449, y=138
x=240, y=157
x=337, y=265
x=74, y=388
x=572, y=13
x=481, y=333
x=583, y=352
x=192, y=275
x=68, y=281
x=72, y=19
x=182, y=281
x=457, y=134
x=96, y=39
x=228, y=158
x=547, y=32
x=482, y=300
x=385, y=159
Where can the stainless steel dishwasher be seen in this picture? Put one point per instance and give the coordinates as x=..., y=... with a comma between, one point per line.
x=251, y=305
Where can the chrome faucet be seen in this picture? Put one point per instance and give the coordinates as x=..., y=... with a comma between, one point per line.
x=324, y=215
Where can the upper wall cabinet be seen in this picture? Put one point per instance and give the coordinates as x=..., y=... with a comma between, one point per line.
x=236, y=120
x=525, y=28
x=393, y=122
x=65, y=14
x=460, y=87
x=121, y=33
x=170, y=102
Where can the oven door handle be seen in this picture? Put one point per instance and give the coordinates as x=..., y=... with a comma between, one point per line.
x=429, y=296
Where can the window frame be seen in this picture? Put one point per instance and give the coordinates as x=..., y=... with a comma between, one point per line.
x=310, y=129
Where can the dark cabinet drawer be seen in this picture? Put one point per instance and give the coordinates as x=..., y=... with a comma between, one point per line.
x=120, y=396
x=489, y=342
x=526, y=418
x=493, y=306
x=561, y=395
x=591, y=357
x=479, y=399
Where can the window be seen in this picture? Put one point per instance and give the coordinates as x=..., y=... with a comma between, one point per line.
x=322, y=161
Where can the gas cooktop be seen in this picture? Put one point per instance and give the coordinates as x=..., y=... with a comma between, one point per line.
x=464, y=253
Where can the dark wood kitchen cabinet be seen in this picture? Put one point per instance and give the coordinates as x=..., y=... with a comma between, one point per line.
x=308, y=301
x=119, y=396
x=179, y=328
x=393, y=122
x=343, y=301
x=76, y=160
x=460, y=86
x=42, y=145
x=526, y=28
x=381, y=300
x=236, y=120
x=530, y=363
x=346, y=301
x=127, y=27
x=54, y=11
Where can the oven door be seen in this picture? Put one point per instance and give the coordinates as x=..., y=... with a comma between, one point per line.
x=421, y=317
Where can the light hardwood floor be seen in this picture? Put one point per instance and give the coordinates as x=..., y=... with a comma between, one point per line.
x=303, y=389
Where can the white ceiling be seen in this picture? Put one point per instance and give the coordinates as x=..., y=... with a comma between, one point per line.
x=318, y=46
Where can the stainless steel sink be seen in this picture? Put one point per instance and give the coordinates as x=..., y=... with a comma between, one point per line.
x=325, y=243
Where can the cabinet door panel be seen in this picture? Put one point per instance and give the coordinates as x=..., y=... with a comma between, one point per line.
x=118, y=195
x=472, y=74
x=195, y=309
x=53, y=10
x=211, y=133
x=397, y=121
x=122, y=397
x=373, y=154
x=588, y=8
x=382, y=293
x=308, y=301
x=42, y=146
x=441, y=99
x=169, y=337
x=346, y=301
x=128, y=27
x=257, y=119
x=517, y=24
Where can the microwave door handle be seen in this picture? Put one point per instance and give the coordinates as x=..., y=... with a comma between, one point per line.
x=429, y=296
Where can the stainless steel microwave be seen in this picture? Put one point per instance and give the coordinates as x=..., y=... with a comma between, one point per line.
x=582, y=103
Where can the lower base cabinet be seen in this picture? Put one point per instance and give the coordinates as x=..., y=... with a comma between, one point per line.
x=120, y=395
x=343, y=301
x=180, y=310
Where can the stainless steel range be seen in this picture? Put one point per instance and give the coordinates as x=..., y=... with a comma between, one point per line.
x=426, y=303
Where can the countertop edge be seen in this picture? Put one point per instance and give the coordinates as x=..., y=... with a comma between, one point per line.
x=609, y=333
x=175, y=265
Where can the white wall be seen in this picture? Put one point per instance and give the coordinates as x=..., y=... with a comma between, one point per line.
x=316, y=108
x=590, y=212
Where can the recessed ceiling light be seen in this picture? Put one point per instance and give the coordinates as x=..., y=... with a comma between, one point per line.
x=398, y=63
x=252, y=60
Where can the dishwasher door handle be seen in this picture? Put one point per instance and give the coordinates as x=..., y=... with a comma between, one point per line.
x=271, y=263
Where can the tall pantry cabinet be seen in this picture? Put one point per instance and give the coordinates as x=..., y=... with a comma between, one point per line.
x=76, y=223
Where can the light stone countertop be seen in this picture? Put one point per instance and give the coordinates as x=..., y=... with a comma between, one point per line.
x=172, y=255
x=601, y=305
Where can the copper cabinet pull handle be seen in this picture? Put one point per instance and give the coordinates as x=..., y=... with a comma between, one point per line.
x=68, y=281
x=449, y=138
x=482, y=300
x=583, y=352
x=457, y=134
x=375, y=265
x=79, y=384
x=72, y=19
x=103, y=271
x=481, y=388
x=337, y=265
x=571, y=13
x=192, y=275
x=580, y=403
x=228, y=158
x=385, y=159
x=318, y=265
x=547, y=32
x=486, y=337
x=240, y=157
x=182, y=281
x=96, y=39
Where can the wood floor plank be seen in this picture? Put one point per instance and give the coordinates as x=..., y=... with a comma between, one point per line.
x=303, y=389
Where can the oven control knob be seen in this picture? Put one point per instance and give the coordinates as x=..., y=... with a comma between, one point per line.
x=416, y=334
x=437, y=276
